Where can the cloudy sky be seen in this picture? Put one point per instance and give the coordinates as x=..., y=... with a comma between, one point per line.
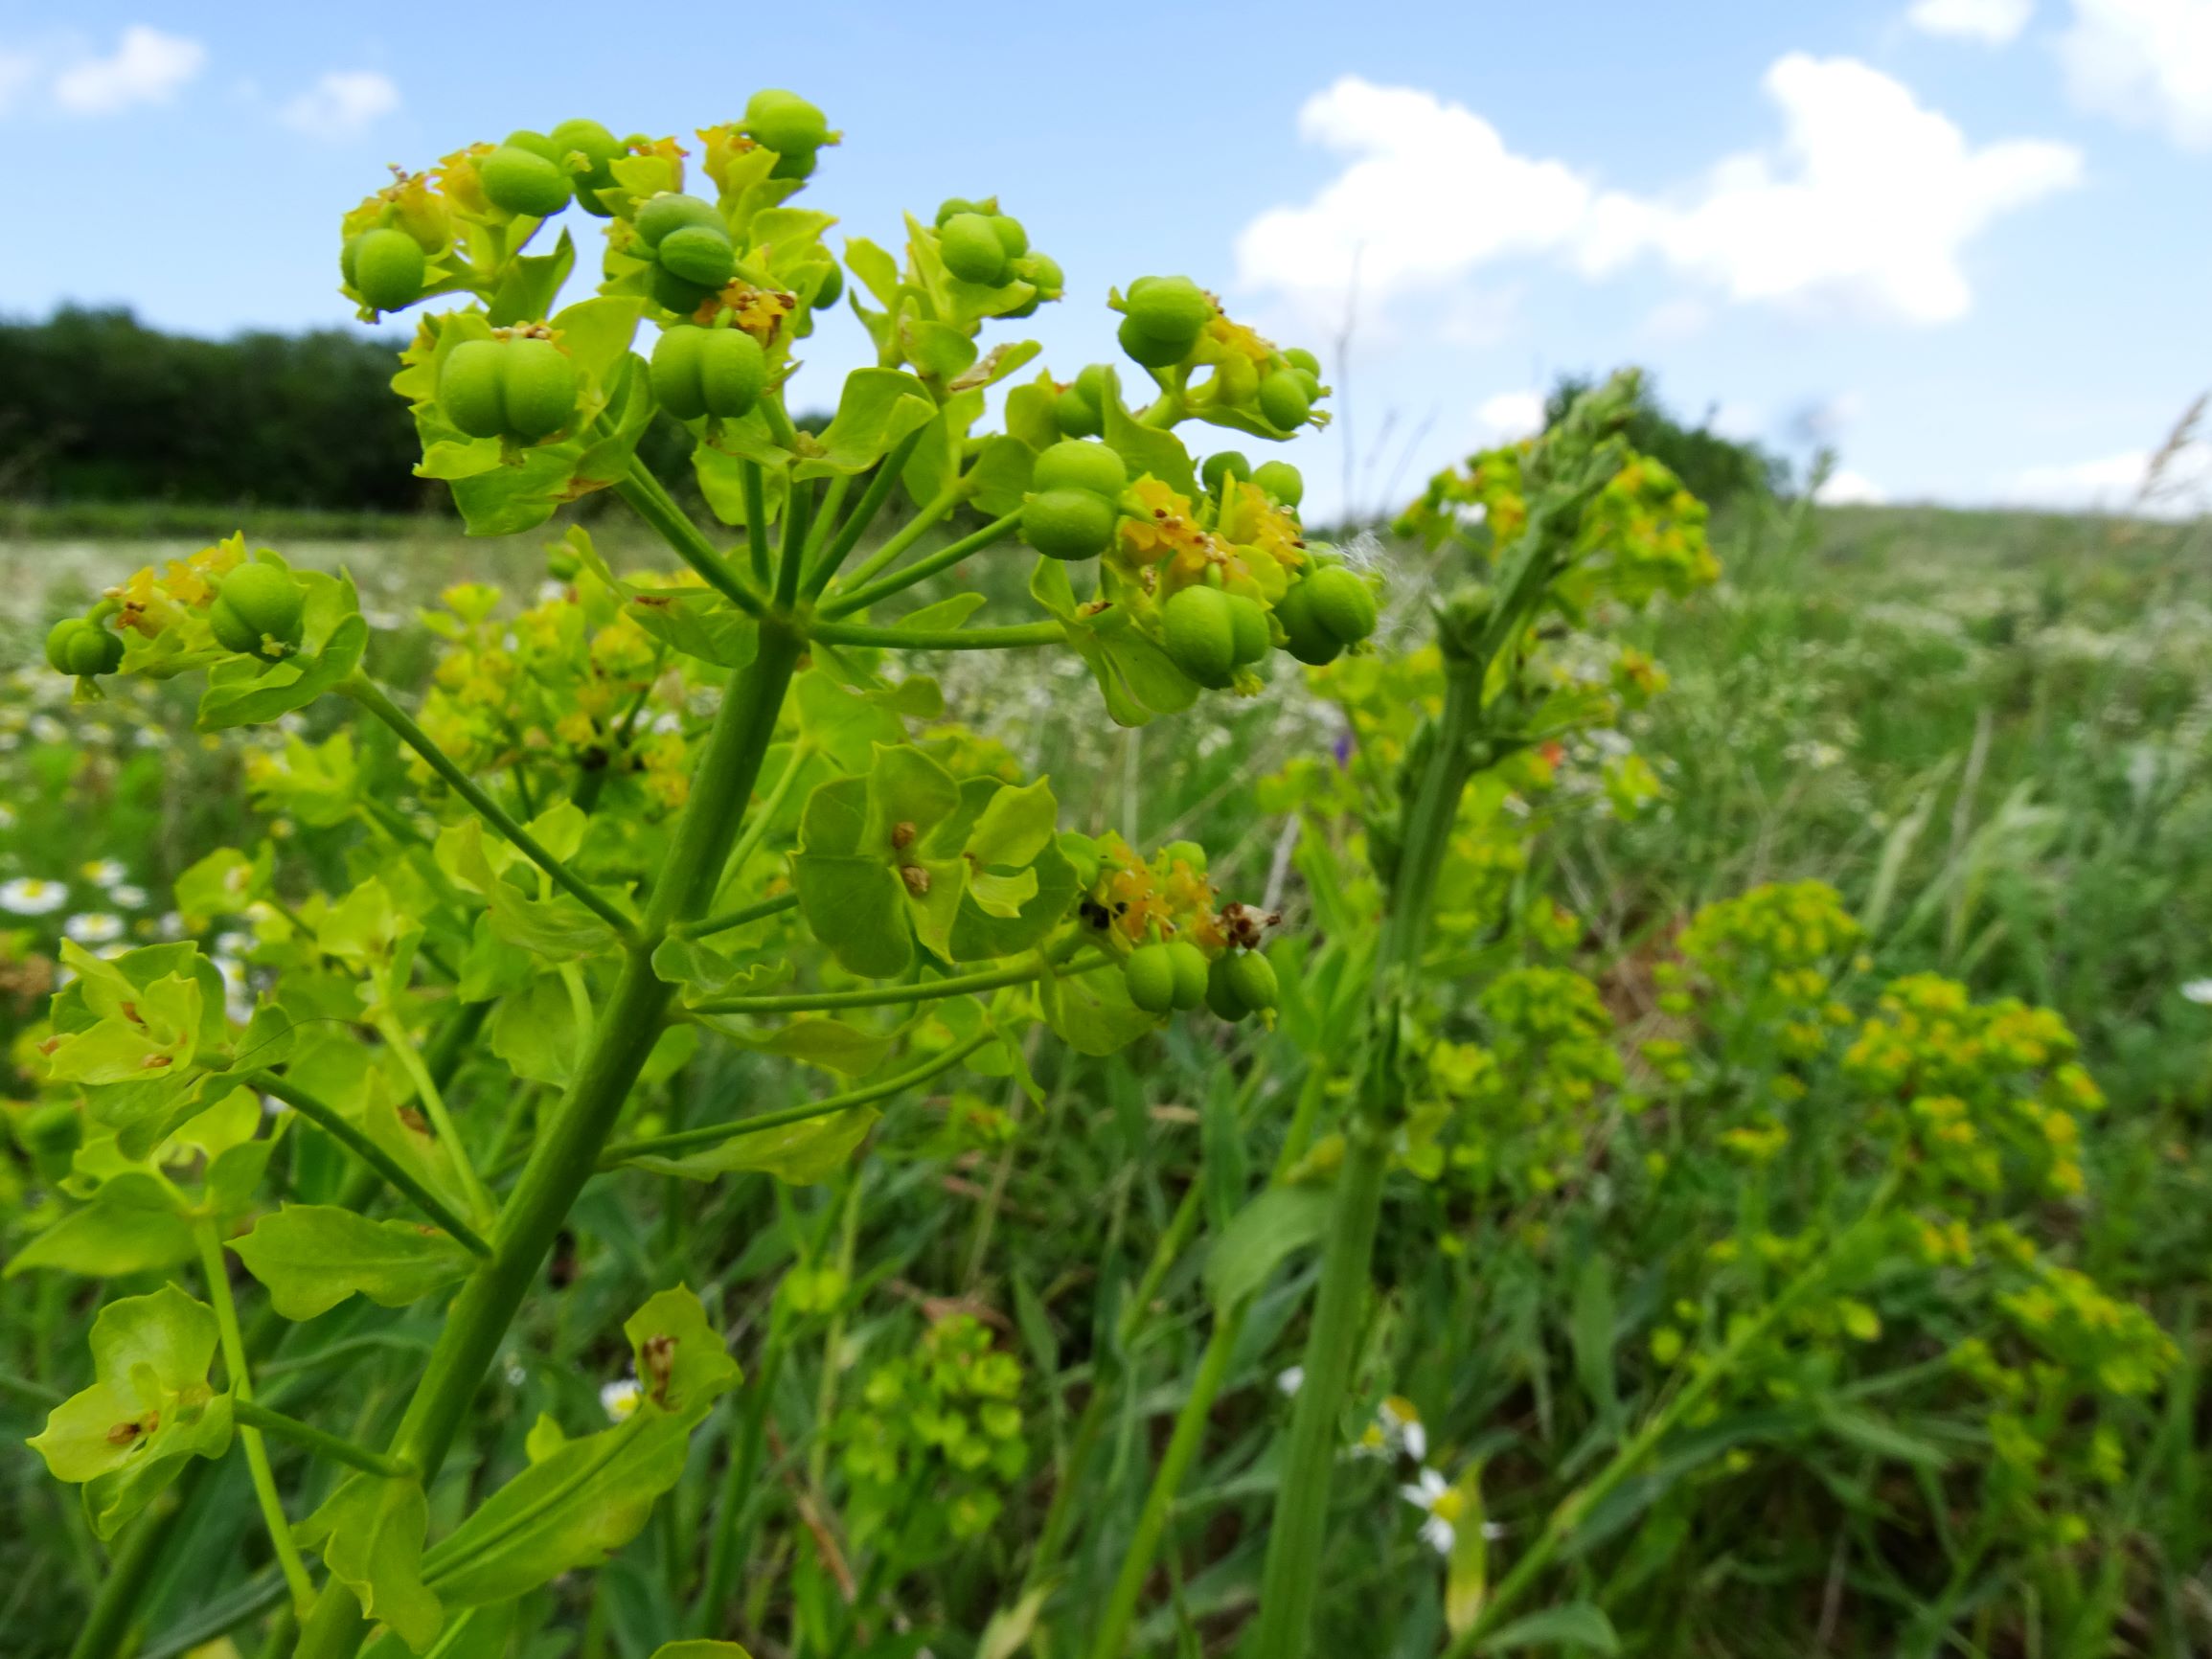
x=1965, y=242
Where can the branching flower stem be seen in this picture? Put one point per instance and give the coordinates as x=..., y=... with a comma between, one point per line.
x=371, y=696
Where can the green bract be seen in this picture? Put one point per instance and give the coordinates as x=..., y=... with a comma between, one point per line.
x=258, y=610
x=717, y=371
x=522, y=388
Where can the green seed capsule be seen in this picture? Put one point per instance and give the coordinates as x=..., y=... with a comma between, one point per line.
x=80, y=646
x=521, y=181
x=674, y=293
x=1248, y=623
x=1188, y=962
x=785, y=123
x=717, y=371
x=1071, y=465
x=829, y=285
x=1012, y=236
x=1284, y=400
x=1172, y=309
x=1150, y=973
x=537, y=143
x=1304, y=636
x=1076, y=415
x=1222, y=996
x=971, y=249
x=1280, y=480
x=670, y=211
x=1310, y=382
x=1068, y=524
x=385, y=267
x=600, y=149
x=795, y=164
x=1228, y=463
x=257, y=611
x=698, y=254
x=1149, y=350
x=1200, y=632
x=1299, y=357
x=1041, y=272
x=953, y=204
x=1252, y=976
x=1342, y=603
x=521, y=389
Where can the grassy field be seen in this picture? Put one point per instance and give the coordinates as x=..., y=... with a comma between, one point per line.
x=1990, y=734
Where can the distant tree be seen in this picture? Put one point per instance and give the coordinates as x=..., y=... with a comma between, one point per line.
x=95, y=407
x=1716, y=469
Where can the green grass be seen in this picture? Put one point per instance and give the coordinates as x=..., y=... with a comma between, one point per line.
x=1992, y=732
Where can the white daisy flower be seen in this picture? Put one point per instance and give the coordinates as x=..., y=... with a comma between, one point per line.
x=619, y=1399
x=126, y=896
x=1396, y=1432
x=1443, y=1503
x=1291, y=1381
x=93, y=927
x=232, y=943
x=2198, y=991
x=238, y=993
x=103, y=872
x=32, y=896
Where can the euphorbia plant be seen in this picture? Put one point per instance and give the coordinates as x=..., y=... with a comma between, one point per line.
x=652, y=813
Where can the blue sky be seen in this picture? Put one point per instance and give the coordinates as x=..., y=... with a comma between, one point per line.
x=1966, y=241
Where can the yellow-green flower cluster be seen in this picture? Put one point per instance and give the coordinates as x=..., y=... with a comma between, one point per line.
x=935, y=1439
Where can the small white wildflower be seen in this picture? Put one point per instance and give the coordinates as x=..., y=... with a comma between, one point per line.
x=45, y=728
x=550, y=590
x=93, y=927
x=238, y=991
x=1395, y=1432
x=7, y=817
x=516, y=1377
x=1443, y=1503
x=103, y=872
x=619, y=1399
x=169, y=925
x=2198, y=991
x=126, y=896
x=231, y=943
x=31, y=896
x=1291, y=1381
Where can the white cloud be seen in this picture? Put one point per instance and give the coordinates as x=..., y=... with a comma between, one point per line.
x=1864, y=209
x=2110, y=481
x=1430, y=194
x=1992, y=22
x=2147, y=62
x=1509, y=414
x=1844, y=488
x=145, y=67
x=341, y=104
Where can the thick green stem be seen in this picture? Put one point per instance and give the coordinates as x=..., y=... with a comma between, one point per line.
x=371, y=696
x=566, y=1152
x=837, y=633
x=757, y=522
x=1291, y=1578
x=714, y=1134
x=798, y=519
x=254, y=1415
x=922, y=568
x=1183, y=1444
x=334, y=1123
x=241, y=1388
